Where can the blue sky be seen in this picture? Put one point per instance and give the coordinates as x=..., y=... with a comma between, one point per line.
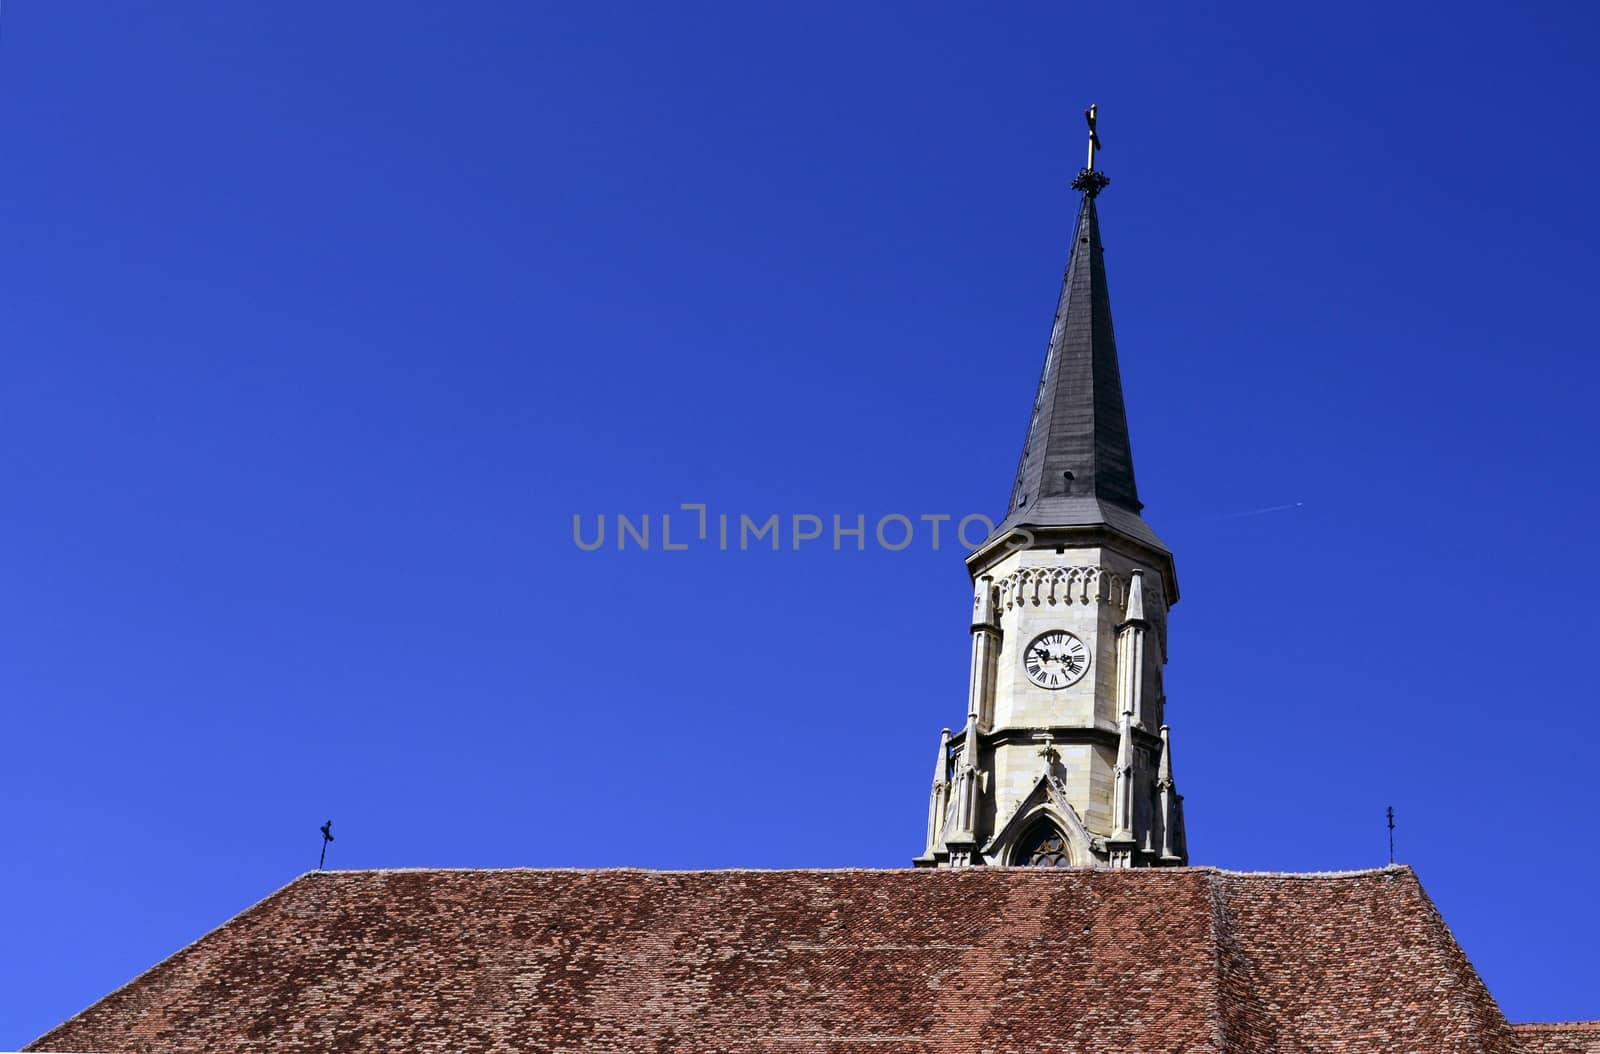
x=321, y=323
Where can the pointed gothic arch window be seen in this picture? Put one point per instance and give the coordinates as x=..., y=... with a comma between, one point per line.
x=1043, y=846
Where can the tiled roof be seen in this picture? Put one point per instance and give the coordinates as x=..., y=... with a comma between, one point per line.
x=986, y=959
x=1565, y=1037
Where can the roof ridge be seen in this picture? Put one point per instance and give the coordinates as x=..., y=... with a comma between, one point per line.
x=1215, y=1022
x=1047, y=874
x=1234, y=985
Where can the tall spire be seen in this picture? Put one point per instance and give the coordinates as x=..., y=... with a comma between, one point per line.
x=1069, y=615
x=1077, y=462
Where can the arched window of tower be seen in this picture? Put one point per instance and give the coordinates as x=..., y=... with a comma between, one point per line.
x=1043, y=846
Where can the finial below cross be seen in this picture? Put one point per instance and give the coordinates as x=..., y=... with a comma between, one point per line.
x=1094, y=137
x=1048, y=751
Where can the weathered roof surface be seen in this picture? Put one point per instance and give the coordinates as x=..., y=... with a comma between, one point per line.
x=1566, y=1037
x=986, y=959
x=1077, y=462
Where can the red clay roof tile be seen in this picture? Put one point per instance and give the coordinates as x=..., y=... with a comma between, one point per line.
x=1190, y=960
x=1562, y=1037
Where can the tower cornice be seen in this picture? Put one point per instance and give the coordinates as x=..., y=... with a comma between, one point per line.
x=1063, y=735
x=1148, y=551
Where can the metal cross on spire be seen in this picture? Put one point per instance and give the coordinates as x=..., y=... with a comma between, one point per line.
x=1089, y=181
x=1094, y=136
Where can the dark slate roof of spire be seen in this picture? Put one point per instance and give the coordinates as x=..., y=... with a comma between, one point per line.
x=999, y=959
x=1077, y=463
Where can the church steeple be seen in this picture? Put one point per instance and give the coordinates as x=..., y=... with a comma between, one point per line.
x=1077, y=445
x=1076, y=468
x=1069, y=625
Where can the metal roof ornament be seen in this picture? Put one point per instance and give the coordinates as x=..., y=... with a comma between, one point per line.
x=1089, y=181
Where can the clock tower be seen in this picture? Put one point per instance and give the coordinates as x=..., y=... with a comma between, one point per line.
x=1065, y=758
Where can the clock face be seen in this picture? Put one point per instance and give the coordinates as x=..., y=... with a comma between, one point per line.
x=1056, y=659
